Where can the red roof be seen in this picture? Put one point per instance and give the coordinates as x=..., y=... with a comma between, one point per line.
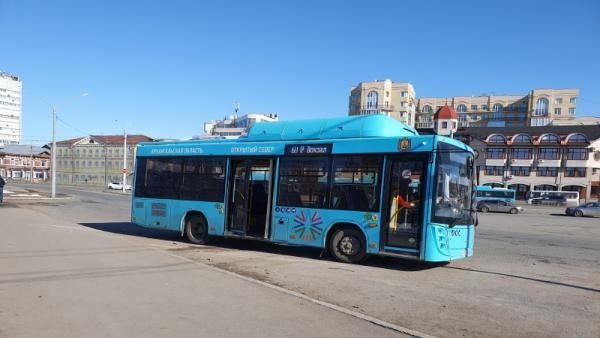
x=110, y=139
x=118, y=139
x=446, y=112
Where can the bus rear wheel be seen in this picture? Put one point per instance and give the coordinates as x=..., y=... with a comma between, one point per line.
x=196, y=230
x=348, y=245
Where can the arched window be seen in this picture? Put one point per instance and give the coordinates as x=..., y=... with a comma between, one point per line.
x=497, y=108
x=461, y=108
x=427, y=109
x=550, y=139
x=541, y=107
x=497, y=138
x=372, y=98
x=521, y=138
x=577, y=138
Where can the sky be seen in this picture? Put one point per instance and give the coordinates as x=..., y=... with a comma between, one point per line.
x=163, y=68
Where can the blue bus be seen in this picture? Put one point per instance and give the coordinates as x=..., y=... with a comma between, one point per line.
x=485, y=192
x=355, y=186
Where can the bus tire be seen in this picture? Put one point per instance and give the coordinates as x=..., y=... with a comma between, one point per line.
x=348, y=245
x=196, y=230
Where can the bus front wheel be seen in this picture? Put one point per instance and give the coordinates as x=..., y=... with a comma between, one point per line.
x=348, y=245
x=196, y=230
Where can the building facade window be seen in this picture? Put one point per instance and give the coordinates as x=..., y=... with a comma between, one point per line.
x=550, y=139
x=573, y=100
x=547, y=171
x=577, y=139
x=520, y=171
x=577, y=154
x=473, y=107
x=484, y=107
x=495, y=153
x=521, y=139
x=494, y=171
x=444, y=124
x=541, y=107
x=497, y=108
x=404, y=94
x=372, y=99
x=558, y=100
x=572, y=111
x=521, y=153
x=497, y=138
x=549, y=154
x=426, y=109
x=575, y=172
x=556, y=111
x=461, y=108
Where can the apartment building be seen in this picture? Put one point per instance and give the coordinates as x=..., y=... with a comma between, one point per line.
x=384, y=97
x=538, y=158
x=236, y=126
x=540, y=107
x=19, y=162
x=96, y=159
x=10, y=108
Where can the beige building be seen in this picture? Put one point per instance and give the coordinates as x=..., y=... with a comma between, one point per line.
x=95, y=160
x=384, y=97
x=540, y=107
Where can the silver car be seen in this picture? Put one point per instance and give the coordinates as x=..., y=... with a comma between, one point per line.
x=589, y=209
x=499, y=206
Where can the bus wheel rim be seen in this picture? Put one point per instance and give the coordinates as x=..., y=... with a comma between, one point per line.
x=197, y=230
x=349, y=245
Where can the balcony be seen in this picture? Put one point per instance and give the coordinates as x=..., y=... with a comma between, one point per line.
x=495, y=162
x=521, y=162
x=423, y=125
x=375, y=108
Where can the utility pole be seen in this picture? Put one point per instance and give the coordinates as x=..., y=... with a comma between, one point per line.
x=53, y=152
x=124, y=159
x=31, y=162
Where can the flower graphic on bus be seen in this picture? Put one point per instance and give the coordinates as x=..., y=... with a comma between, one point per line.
x=307, y=228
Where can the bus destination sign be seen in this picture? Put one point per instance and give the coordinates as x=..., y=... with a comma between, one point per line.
x=308, y=149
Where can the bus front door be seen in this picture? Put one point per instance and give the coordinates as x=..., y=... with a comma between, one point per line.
x=250, y=196
x=402, y=213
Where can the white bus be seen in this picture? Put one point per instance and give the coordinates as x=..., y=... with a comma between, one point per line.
x=547, y=196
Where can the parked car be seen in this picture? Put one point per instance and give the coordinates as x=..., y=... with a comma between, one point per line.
x=589, y=209
x=549, y=200
x=118, y=186
x=498, y=206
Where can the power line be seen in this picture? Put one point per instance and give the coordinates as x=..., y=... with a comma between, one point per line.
x=71, y=126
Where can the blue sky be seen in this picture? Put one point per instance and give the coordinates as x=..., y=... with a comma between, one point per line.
x=163, y=68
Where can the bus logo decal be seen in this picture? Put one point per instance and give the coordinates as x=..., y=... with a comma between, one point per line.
x=404, y=144
x=308, y=228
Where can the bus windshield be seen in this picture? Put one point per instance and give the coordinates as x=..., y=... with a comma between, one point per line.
x=454, y=189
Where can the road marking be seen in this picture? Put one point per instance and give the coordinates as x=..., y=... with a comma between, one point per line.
x=331, y=306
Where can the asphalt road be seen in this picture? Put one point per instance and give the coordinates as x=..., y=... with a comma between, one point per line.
x=76, y=267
